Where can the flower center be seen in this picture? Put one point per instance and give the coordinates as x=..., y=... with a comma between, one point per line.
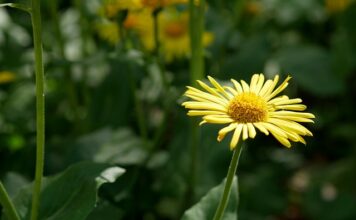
x=247, y=108
x=175, y=29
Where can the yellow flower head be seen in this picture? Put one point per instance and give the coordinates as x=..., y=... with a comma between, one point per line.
x=173, y=35
x=245, y=107
x=139, y=21
x=6, y=77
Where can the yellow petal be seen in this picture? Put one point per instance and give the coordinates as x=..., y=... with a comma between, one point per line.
x=237, y=85
x=217, y=120
x=236, y=136
x=260, y=82
x=244, y=132
x=265, y=87
x=261, y=128
x=203, y=112
x=271, y=87
x=279, y=89
x=294, y=114
x=282, y=140
x=251, y=130
x=253, y=83
x=232, y=90
x=293, y=118
x=284, y=100
x=226, y=130
x=295, y=127
x=274, y=129
x=245, y=86
x=204, y=105
x=205, y=98
x=295, y=107
x=219, y=87
x=209, y=89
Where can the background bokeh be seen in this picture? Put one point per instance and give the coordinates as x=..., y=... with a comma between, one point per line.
x=106, y=101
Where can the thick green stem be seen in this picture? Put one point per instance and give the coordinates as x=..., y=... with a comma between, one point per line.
x=40, y=107
x=196, y=73
x=6, y=203
x=229, y=178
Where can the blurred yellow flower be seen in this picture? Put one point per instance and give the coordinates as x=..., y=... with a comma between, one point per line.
x=161, y=3
x=246, y=107
x=173, y=35
x=108, y=31
x=111, y=8
x=6, y=77
x=334, y=6
x=253, y=7
x=140, y=21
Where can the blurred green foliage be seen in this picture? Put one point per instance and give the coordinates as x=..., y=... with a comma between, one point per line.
x=109, y=104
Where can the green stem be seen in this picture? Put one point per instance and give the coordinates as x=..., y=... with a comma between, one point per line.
x=156, y=31
x=196, y=72
x=8, y=206
x=196, y=40
x=40, y=107
x=157, y=49
x=229, y=178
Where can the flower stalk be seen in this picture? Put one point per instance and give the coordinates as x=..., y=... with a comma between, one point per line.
x=7, y=204
x=40, y=107
x=229, y=178
x=196, y=25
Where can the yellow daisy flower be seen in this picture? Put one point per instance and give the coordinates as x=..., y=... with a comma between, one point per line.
x=246, y=107
x=139, y=21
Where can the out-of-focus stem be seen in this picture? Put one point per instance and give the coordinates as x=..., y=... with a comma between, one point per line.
x=40, y=107
x=196, y=26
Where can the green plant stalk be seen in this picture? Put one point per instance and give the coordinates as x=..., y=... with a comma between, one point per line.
x=229, y=178
x=7, y=204
x=40, y=107
x=157, y=50
x=196, y=26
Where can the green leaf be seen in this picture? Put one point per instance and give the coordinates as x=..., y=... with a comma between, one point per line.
x=311, y=67
x=17, y=6
x=71, y=194
x=120, y=147
x=206, y=207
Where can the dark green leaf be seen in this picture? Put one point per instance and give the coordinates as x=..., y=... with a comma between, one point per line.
x=311, y=68
x=17, y=6
x=206, y=207
x=71, y=194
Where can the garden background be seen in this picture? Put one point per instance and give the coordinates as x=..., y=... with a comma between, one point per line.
x=112, y=97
